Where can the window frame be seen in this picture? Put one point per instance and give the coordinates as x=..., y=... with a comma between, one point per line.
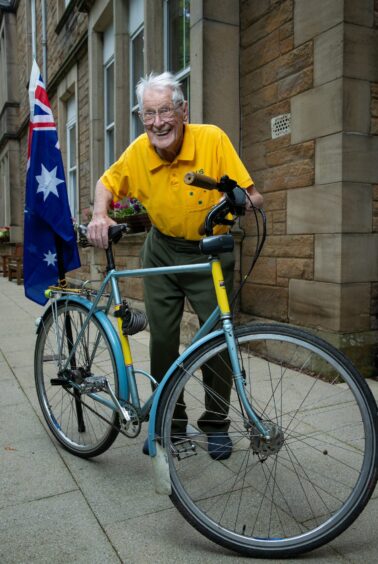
x=136, y=127
x=72, y=168
x=109, y=127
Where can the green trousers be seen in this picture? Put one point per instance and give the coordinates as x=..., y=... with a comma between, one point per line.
x=164, y=299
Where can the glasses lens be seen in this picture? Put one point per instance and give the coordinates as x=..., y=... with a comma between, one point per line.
x=165, y=114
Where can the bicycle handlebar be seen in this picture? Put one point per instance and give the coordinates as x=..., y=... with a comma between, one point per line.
x=225, y=184
x=200, y=181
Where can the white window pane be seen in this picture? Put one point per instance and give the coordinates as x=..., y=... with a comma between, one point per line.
x=108, y=39
x=109, y=94
x=136, y=15
x=137, y=48
x=72, y=146
x=109, y=139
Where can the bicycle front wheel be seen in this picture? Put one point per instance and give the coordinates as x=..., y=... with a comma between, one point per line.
x=303, y=486
x=82, y=424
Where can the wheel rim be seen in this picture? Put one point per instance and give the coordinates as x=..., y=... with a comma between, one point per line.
x=305, y=490
x=93, y=357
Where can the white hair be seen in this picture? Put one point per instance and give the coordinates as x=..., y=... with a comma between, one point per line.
x=158, y=82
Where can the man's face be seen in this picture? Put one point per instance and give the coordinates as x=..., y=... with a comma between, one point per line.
x=165, y=134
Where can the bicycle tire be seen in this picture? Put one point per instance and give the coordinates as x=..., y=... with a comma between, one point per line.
x=322, y=468
x=82, y=425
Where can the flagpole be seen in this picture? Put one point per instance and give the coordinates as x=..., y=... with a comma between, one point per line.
x=60, y=262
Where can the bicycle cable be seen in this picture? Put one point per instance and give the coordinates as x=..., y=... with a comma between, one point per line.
x=260, y=240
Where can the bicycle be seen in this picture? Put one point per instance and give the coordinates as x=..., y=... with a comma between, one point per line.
x=303, y=421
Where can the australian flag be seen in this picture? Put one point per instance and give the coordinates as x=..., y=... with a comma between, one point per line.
x=50, y=248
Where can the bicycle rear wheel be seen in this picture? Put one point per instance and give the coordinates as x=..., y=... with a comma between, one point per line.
x=297, y=491
x=83, y=425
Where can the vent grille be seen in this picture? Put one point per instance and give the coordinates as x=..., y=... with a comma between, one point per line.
x=281, y=125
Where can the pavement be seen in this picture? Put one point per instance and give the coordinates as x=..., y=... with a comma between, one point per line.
x=57, y=508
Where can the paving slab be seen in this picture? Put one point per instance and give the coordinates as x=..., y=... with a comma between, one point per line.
x=55, y=507
x=57, y=529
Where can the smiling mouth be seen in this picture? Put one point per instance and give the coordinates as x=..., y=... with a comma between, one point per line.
x=162, y=133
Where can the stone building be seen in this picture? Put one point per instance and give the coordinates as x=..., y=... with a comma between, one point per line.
x=294, y=83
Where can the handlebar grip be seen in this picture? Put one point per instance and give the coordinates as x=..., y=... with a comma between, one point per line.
x=200, y=180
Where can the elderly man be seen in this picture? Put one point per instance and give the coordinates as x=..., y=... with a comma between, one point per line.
x=152, y=169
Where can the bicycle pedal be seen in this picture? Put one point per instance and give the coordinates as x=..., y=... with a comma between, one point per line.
x=93, y=384
x=183, y=449
x=60, y=382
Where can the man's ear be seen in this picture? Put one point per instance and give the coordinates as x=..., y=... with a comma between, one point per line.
x=186, y=112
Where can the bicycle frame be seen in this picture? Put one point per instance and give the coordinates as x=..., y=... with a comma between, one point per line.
x=128, y=390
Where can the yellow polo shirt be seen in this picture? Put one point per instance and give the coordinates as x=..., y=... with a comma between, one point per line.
x=176, y=209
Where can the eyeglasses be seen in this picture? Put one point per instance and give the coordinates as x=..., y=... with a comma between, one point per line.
x=166, y=113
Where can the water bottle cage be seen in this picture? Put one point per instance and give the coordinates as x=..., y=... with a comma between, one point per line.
x=133, y=321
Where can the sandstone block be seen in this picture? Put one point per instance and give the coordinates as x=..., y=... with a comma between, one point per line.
x=349, y=157
x=290, y=154
x=343, y=258
x=330, y=208
x=329, y=306
x=264, y=271
x=291, y=175
x=361, y=13
x=295, y=83
x=329, y=55
x=312, y=18
x=361, y=45
x=283, y=246
x=265, y=301
x=295, y=268
x=275, y=201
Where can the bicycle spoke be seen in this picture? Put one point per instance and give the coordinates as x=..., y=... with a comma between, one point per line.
x=293, y=488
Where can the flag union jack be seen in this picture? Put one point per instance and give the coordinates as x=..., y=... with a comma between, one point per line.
x=50, y=248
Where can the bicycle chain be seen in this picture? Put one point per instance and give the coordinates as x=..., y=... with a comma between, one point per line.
x=113, y=425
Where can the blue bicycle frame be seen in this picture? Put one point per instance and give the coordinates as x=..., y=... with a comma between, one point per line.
x=128, y=390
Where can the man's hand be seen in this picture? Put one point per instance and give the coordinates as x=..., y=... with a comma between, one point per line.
x=98, y=230
x=256, y=198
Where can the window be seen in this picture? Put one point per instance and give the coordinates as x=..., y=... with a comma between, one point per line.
x=137, y=70
x=3, y=68
x=177, y=32
x=4, y=192
x=136, y=32
x=71, y=156
x=109, y=96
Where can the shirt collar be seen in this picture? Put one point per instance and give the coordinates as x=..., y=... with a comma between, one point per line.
x=186, y=154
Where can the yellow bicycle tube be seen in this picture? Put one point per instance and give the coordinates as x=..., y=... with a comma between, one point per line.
x=220, y=287
x=124, y=341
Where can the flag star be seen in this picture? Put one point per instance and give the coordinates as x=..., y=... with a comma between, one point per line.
x=47, y=182
x=50, y=258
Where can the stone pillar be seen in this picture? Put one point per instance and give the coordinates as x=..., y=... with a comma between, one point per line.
x=153, y=36
x=214, y=65
x=336, y=113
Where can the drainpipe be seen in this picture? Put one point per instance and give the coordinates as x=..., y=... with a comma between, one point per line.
x=44, y=42
x=33, y=30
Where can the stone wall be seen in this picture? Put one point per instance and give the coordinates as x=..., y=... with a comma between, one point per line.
x=313, y=62
x=273, y=70
x=317, y=62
